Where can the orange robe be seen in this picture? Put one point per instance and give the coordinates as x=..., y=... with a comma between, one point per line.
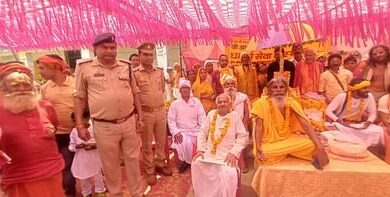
x=203, y=88
x=247, y=81
x=307, y=77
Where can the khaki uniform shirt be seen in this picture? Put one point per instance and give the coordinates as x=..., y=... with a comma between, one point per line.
x=60, y=96
x=151, y=86
x=109, y=90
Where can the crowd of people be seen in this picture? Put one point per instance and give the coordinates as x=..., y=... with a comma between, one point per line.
x=112, y=112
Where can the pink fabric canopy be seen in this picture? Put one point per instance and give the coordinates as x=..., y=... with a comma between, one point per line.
x=46, y=24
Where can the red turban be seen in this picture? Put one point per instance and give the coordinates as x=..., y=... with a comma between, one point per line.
x=51, y=61
x=14, y=67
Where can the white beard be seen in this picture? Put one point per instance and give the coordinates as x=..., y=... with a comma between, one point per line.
x=280, y=101
x=232, y=92
x=19, y=102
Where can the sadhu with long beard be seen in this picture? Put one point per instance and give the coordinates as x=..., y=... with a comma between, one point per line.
x=27, y=126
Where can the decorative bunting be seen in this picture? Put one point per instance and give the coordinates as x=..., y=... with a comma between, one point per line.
x=43, y=24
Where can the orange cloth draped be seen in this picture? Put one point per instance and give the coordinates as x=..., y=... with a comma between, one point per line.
x=247, y=81
x=278, y=143
x=340, y=178
x=201, y=89
x=261, y=109
x=51, y=61
x=307, y=77
x=49, y=187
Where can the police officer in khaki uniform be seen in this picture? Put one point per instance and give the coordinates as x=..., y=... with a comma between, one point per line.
x=150, y=81
x=109, y=88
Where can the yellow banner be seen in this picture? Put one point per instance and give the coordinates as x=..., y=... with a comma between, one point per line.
x=267, y=55
x=237, y=46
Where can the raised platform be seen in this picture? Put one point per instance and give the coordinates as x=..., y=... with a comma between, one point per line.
x=295, y=177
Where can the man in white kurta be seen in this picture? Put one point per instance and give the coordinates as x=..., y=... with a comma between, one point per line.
x=353, y=113
x=220, y=141
x=185, y=117
x=241, y=105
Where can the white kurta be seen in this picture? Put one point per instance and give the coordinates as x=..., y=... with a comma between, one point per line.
x=372, y=135
x=211, y=176
x=239, y=103
x=334, y=108
x=86, y=164
x=186, y=118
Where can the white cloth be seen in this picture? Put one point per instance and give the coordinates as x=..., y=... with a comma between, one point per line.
x=373, y=135
x=383, y=104
x=233, y=142
x=184, y=82
x=96, y=182
x=239, y=102
x=185, y=150
x=186, y=118
x=86, y=164
x=333, y=110
x=216, y=179
x=213, y=180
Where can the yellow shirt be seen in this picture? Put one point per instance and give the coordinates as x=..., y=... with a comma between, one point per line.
x=329, y=84
x=60, y=96
x=247, y=81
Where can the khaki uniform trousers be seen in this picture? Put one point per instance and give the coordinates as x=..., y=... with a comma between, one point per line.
x=111, y=140
x=155, y=128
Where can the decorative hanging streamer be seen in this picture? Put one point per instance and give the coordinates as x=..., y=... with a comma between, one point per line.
x=70, y=24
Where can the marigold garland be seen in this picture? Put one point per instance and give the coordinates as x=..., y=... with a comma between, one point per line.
x=286, y=123
x=225, y=128
x=357, y=117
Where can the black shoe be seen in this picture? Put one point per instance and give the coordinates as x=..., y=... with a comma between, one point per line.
x=166, y=171
x=184, y=167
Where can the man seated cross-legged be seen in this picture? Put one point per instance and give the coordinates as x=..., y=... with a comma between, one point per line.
x=283, y=129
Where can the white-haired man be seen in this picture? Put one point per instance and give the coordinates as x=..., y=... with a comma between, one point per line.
x=279, y=123
x=185, y=117
x=240, y=104
x=27, y=129
x=220, y=142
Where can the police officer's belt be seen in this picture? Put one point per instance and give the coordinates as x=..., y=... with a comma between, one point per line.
x=116, y=121
x=152, y=109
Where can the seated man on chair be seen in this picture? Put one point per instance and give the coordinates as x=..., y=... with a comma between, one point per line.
x=185, y=116
x=280, y=123
x=353, y=113
x=220, y=142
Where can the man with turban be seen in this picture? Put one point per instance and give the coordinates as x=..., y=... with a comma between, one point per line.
x=220, y=142
x=185, y=116
x=280, y=123
x=353, y=113
x=58, y=91
x=27, y=127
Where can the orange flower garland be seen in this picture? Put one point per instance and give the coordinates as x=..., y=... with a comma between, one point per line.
x=359, y=115
x=225, y=128
x=286, y=124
